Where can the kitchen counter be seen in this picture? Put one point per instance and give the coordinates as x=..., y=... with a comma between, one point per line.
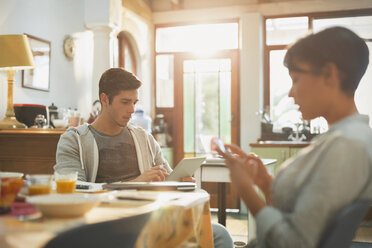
x=284, y=143
x=31, y=150
x=279, y=150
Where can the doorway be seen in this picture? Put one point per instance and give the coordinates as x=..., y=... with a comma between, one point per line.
x=206, y=91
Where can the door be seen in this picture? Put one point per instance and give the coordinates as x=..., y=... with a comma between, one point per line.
x=206, y=106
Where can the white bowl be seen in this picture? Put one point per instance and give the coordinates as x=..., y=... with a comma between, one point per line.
x=60, y=123
x=11, y=174
x=64, y=205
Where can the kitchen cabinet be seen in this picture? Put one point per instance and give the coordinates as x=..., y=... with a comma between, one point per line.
x=31, y=151
x=279, y=150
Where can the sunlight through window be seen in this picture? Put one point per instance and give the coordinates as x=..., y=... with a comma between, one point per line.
x=200, y=38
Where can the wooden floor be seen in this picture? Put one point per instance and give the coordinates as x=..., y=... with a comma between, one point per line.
x=364, y=233
x=237, y=225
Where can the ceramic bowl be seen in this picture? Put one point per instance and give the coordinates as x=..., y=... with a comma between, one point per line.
x=60, y=123
x=64, y=205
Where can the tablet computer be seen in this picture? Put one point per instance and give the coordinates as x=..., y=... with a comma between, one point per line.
x=185, y=168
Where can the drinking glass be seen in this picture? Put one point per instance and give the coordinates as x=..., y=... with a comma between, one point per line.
x=39, y=184
x=65, y=181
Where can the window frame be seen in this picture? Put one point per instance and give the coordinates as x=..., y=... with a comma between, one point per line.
x=311, y=16
x=177, y=24
x=168, y=112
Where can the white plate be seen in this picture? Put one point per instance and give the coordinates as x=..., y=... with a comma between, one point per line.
x=64, y=205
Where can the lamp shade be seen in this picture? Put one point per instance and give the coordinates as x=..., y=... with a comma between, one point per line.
x=15, y=53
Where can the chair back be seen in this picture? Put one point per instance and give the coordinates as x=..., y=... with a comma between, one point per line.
x=121, y=233
x=341, y=231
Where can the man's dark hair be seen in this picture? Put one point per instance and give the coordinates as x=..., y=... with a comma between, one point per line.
x=115, y=80
x=337, y=45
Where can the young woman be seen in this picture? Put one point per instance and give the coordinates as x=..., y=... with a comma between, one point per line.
x=331, y=173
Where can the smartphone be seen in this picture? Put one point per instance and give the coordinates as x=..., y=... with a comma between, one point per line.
x=221, y=146
x=82, y=186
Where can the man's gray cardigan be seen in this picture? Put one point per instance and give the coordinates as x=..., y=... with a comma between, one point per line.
x=77, y=150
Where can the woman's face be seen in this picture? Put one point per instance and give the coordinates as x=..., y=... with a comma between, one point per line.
x=308, y=90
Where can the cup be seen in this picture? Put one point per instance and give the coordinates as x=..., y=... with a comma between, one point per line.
x=10, y=184
x=39, y=184
x=65, y=181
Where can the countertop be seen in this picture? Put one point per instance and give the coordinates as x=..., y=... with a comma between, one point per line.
x=32, y=131
x=277, y=143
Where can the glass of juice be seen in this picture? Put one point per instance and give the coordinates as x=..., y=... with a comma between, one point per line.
x=10, y=184
x=39, y=184
x=65, y=181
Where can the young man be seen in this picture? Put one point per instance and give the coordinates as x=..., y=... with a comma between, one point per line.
x=111, y=150
x=336, y=169
x=99, y=151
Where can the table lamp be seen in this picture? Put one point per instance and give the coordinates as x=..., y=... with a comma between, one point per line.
x=15, y=54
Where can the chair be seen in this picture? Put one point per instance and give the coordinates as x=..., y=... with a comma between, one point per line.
x=113, y=234
x=341, y=231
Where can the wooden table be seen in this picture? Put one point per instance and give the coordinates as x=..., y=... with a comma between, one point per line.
x=191, y=207
x=31, y=151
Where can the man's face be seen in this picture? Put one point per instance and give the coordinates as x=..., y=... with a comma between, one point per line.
x=120, y=110
x=309, y=91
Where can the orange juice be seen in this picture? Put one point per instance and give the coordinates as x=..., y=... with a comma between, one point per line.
x=9, y=190
x=66, y=186
x=39, y=189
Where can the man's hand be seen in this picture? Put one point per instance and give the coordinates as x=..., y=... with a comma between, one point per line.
x=154, y=174
x=188, y=179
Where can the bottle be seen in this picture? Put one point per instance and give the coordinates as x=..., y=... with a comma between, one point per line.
x=140, y=119
x=160, y=130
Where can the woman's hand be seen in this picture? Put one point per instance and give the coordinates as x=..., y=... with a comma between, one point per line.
x=259, y=173
x=241, y=174
x=247, y=170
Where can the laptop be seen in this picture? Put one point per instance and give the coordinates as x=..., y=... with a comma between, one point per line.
x=158, y=186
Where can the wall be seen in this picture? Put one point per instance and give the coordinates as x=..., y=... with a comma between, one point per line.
x=51, y=20
x=142, y=32
x=251, y=54
x=73, y=83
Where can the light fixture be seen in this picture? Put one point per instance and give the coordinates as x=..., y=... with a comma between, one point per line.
x=15, y=54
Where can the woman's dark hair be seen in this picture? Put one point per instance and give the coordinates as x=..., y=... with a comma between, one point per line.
x=115, y=80
x=337, y=45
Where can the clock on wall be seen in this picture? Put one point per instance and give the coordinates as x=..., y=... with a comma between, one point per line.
x=69, y=47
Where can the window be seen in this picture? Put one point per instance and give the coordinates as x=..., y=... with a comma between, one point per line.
x=164, y=81
x=283, y=31
x=280, y=32
x=197, y=39
x=197, y=84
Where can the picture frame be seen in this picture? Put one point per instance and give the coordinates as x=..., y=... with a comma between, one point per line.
x=38, y=77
